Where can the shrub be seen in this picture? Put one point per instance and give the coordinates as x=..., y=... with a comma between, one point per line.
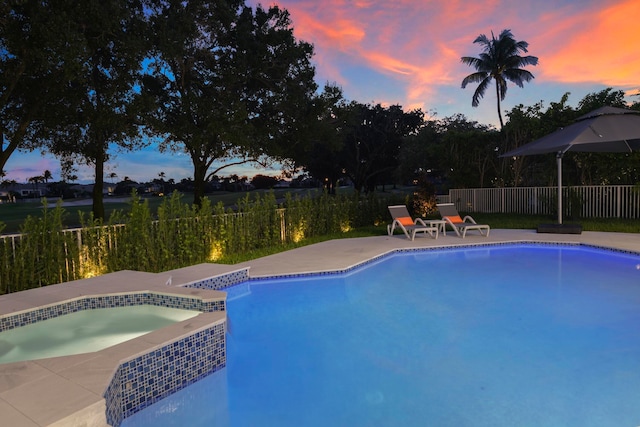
x=180, y=236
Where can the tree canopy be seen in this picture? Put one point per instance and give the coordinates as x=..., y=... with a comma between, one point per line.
x=33, y=49
x=228, y=84
x=225, y=83
x=359, y=141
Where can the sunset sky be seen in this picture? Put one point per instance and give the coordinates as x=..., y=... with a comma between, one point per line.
x=407, y=52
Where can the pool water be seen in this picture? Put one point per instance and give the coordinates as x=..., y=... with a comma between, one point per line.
x=85, y=331
x=494, y=336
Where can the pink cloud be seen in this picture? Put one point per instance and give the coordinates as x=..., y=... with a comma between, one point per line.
x=416, y=45
x=413, y=42
x=594, y=46
x=21, y=168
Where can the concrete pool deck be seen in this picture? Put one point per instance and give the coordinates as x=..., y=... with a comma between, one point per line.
x=342, y=254
x=67, y=391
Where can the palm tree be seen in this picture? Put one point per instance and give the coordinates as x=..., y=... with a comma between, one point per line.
x=35, y=180
x=47, y=176
x=499, y=61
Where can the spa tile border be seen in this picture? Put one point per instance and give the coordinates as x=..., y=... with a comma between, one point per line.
x=143, y=380
x=51, y=311
x=221, y=281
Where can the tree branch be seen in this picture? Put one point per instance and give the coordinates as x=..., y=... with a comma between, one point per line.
x=241, y=162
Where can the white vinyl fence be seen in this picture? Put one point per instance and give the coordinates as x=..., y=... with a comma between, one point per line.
x=592, y=201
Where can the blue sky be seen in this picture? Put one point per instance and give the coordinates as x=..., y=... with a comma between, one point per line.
x=408, y=52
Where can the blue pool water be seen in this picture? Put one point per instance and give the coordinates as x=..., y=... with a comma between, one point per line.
x=494, y=336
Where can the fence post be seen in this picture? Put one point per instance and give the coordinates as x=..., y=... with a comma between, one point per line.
x=283, y=231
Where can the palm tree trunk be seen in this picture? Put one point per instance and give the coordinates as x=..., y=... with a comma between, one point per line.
x=498, y=99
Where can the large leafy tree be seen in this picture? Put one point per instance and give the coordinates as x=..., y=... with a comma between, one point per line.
x=372, y=137
x=33, y=48
x=469, y=151
x=320, y=157
x=228, y=84
x=421, y=154
x=450, y=152
x=68, y=79
x=500, y=61
x=111, y=47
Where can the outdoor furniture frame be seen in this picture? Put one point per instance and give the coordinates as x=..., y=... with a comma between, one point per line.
x=450, y=214
x=409, y=226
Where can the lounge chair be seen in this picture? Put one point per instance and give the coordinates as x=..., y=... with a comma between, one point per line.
x=408, y=225
x=452, y=218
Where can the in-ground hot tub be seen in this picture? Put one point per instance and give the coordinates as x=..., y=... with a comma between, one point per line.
x=86, y=331
x=105, y=386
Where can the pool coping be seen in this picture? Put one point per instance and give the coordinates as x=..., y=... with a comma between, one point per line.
x=68, y=391
x=331, y=256
x=393, y=252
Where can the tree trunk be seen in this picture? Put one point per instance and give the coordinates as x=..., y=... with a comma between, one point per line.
x=98, y=202
x=199, y=175
x=14, y=142
x=498, y=99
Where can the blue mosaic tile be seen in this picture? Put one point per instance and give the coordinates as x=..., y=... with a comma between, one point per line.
x=142, y=381
x=108, y=301
x=221, y=281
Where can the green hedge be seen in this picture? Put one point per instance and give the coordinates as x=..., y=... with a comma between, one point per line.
x=181, y=235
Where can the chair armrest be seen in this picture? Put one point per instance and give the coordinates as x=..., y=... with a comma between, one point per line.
x=419, y=221
x=471, y=220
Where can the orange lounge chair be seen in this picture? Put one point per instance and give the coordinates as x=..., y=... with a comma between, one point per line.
x=410, y=226
x=450, y=214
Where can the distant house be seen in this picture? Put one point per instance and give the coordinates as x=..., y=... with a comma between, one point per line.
x=6, y=197
x=283, y=183
x=153, y=188
x=31, y=193
x=25, y=191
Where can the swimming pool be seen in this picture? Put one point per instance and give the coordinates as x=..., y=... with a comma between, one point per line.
x=85, y=331
x=489, y=336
